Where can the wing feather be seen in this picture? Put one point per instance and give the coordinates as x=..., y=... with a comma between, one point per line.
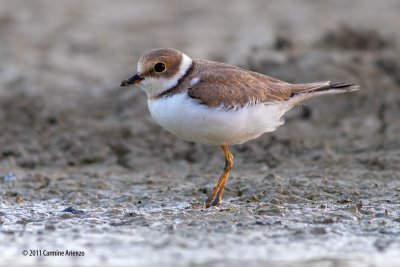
x=223, y=85
x=234, y=87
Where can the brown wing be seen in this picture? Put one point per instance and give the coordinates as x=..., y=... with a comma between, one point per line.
x=223, y=85
x=235, y=87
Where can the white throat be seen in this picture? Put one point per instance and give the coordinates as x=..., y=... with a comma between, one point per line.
x=155, y=86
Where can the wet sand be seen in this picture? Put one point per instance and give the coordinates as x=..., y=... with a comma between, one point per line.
x=83, y=167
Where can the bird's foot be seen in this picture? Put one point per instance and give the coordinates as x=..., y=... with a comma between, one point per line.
x=214, y=199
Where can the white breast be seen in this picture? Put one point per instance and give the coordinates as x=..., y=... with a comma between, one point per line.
x=191, y=121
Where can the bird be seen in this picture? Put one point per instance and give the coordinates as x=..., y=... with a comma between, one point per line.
x=216, y=103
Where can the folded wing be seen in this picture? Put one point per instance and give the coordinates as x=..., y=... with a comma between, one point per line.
x=234, y=87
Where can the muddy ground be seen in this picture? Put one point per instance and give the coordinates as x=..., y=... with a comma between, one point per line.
x=84, y=168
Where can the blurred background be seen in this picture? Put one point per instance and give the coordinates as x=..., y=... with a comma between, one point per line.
x=61, y=63
x=66, y=126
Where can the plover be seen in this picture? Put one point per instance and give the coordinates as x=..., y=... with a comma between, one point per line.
x=216, y=103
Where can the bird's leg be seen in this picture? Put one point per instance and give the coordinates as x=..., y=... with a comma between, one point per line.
x=216, y=195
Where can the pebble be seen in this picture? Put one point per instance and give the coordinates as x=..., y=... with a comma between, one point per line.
x=18, y=199
x=73, y=210
x=9, y=177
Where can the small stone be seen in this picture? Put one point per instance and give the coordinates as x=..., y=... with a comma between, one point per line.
x=9, y=177
x=318, y=231
x=344, y=201
x=327, y=221
x=276, y=201
x=73, y=210
x=262, y=223
x=171, y=228
x=18, y=199
x=67, y=216
x=50, y=227
x=359, y=205
x=354, y=209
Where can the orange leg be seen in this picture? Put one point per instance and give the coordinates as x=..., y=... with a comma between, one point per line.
x=216, y=195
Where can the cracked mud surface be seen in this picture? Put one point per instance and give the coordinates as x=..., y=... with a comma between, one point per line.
x=83, y=166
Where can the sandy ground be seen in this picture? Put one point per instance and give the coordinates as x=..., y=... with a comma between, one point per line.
x=84, y=168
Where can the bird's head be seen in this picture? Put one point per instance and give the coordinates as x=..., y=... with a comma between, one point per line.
x=159, y=70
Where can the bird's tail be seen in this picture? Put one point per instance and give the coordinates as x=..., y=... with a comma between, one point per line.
x=301, y=92
x=322, y=88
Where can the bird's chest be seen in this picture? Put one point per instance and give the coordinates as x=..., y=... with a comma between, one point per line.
x=184, y=117
x=192, y=121
x=167, y=111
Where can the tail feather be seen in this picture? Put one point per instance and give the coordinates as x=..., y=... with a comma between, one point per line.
x=304, y=91
x=344, y=86
x=310, y=88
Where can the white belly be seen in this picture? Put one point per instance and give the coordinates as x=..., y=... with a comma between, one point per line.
x=191, y=121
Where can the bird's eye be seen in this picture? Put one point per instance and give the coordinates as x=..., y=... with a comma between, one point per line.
x=159, y=67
